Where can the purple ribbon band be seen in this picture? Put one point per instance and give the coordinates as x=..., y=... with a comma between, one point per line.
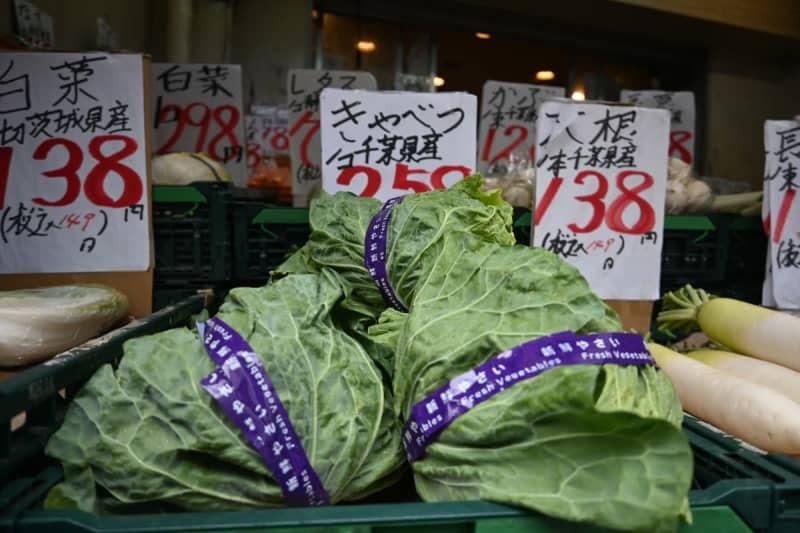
x=241, y=386
x=438, y=410
x=375, y=244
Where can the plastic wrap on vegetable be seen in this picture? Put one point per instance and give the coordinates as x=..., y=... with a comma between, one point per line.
x=36, y=324
x=515, y=177
x=183, y=168
x=687, y=194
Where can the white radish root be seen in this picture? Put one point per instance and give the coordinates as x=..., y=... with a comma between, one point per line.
x=751, y=412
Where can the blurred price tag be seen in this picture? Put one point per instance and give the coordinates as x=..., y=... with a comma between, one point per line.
x=267, y=135
x=383, y=145
x=782, y=213
x=600, y=185
x=303, y=90
x=198, y=108
x=508, y=121
x=73, y=167
x=681, y=106
x=34, y=26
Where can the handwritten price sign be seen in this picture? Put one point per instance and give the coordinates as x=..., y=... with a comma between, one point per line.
x=508, y=120
x=681, y=106
x=600, y=185
x=303, y=93
x=782, y=212
x=73, y=167
x=198, y=108
x=383, y=145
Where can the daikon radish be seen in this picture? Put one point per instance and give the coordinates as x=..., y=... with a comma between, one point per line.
x=776, y=377
x=755, y=414
x=739, y=326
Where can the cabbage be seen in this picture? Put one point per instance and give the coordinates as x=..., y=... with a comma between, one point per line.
x=593, y=443
x=597, y=443
x=147, y=436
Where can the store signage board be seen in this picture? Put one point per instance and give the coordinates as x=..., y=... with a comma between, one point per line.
x=681, y=105
x=388, y=144
x=782, y=213
x=198, y=108
x=507, y=122
x=600, y=185
x=303, y=96
x=34, y=26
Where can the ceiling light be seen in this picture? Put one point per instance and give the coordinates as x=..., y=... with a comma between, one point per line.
x=545, y=75
x=482, y=35
x=578, y=94
x=437, y=81
x=314, y=14
x=365, y=46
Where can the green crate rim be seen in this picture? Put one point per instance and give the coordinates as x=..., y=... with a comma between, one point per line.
x=688, y=223
x=182, y=194
x=281, y=215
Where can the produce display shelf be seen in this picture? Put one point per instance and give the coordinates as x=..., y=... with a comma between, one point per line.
x=41, y=391
x=263, y=237
x=191, y=232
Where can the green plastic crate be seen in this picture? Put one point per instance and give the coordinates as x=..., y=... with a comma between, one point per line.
x=191, y=232
x=734, y=489
x=522, y=225
x=263, y=237
x=35, y=389
x=763, y=489
x=694, y=251
x=747, y=252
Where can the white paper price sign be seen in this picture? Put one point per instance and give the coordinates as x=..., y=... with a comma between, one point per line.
x=508, y=120
x=600, y=185
x=267, y=135
x=681, y=105
x=383, y=145
x=782, y=213
x=198, y=108
x=73, y=164
x=303, y=90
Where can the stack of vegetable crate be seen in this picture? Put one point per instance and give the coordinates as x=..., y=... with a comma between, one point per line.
x=263, y=236
x=192, y=241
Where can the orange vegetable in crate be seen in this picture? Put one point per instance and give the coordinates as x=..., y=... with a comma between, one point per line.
x=269, y=175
